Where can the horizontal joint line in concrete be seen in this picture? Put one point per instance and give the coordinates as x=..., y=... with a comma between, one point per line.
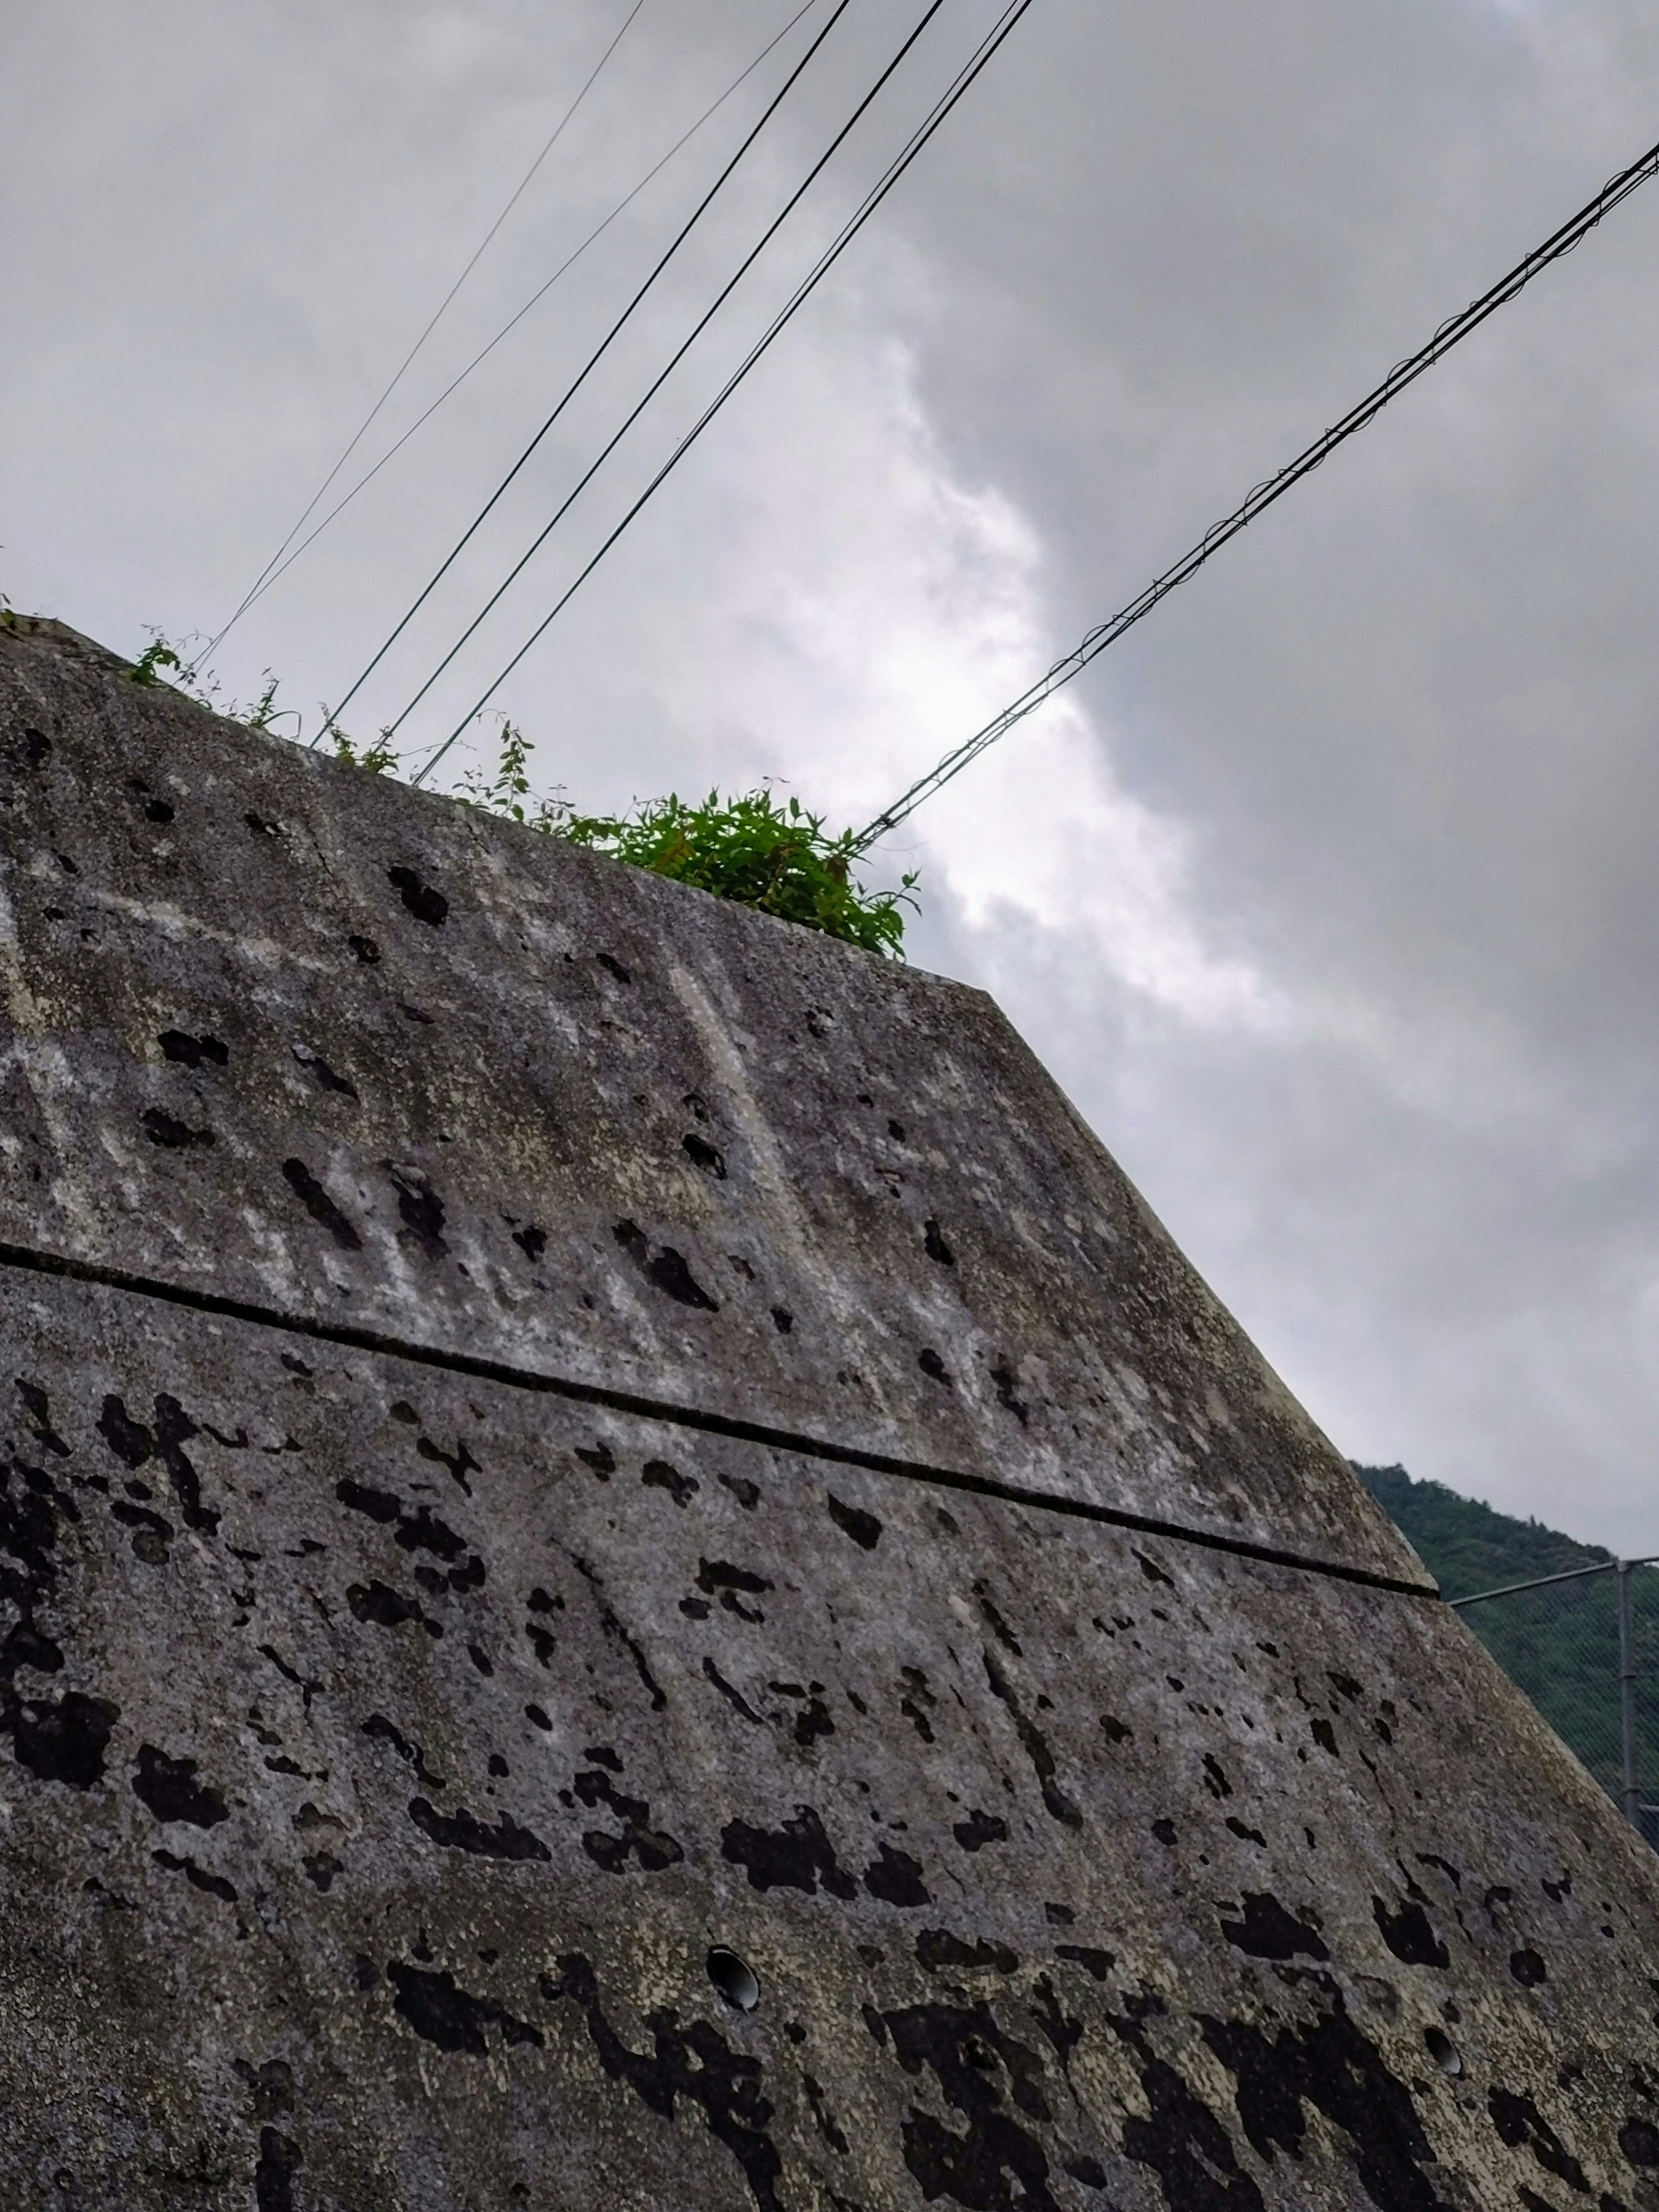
x=690, y=1417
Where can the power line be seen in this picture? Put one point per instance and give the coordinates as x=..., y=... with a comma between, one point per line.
x=272, y=574
x=1450, y=333
x=674, y=360
x=265, y=574
x=594, y=358
x=959, y=85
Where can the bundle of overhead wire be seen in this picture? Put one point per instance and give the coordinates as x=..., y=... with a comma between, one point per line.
x=895, y=168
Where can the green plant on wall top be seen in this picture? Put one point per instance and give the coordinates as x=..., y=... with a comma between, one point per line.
x=754, y=848
x=378, y=758
x=759, y=851
x=162, y=661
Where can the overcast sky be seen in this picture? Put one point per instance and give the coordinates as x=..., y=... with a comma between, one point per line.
x=1330, y=896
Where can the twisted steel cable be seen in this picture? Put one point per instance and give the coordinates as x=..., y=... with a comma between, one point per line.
x=1449, y=334
x=668, y=370
x=275, y=565
x=283, y=559
x=919, y=138
x=592, y=362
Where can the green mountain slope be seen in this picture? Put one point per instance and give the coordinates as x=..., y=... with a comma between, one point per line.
x=1466, y=1546
x=1559, y=1643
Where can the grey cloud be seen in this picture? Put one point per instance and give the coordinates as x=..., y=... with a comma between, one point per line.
x=1403, y=732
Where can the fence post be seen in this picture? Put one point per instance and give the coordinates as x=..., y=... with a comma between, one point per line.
x=1627, y=1697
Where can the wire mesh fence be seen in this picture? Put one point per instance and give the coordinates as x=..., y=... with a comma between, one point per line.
x=1585, y=1647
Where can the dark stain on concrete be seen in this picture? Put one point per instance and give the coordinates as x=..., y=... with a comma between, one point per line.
x=1006, y=1382
x=386, y=1608
x=319, y=1205
x=174, y=1430
x=979, y=1829
x=420, y=899
x=443, y=2013
x=29, y=1539
x=37, y=1405
x=1518, y=2121
x=280, y=2160
x=462, y=1830
x=379, y=1729
x=459, y=1464
x=169, y=1787
x=325, y=1077
x=379, y=1505
x=998, y=1626
x=895, y=1878
x=703, y=1155
x=917, y=1704
x=62, y=1739
x=1097, y=1964
x=420, y=1209
x=693, y=2061
x=1267, y=1930
x=204, y=1051
x=733, y=1696
x=665, y=1269
x=1408, y=1934
x=733, y=1583
x=171, y=1134
x=1036, y=1746
x=863, y=1528
x=825, y=2122
x=653, y=1849
x=796, y=1855
x=938, y=1951
x=992, y=2163
x=662, y=1474
x=198, y=1877
x=1331, y=2066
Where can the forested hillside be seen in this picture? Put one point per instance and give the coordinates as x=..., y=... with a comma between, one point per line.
x=1466, y=1546
x=1559, y=1643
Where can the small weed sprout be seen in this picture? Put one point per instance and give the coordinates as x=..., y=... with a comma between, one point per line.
x=756, y=849
x=265, y=710
x=378, y=758
x=157, y=657
x=507, y=792
x=162, y=661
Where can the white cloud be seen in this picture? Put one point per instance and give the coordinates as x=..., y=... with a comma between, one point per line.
x=866, y=612
x=1329, y=894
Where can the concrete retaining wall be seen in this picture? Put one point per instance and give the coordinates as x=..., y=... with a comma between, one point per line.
x=558, y=1430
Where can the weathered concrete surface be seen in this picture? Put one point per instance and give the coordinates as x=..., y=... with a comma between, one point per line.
x=469, y=1087
x=413, y=1741
x=391, y=1746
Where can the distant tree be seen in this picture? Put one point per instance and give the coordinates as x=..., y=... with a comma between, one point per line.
x=1559, y=1643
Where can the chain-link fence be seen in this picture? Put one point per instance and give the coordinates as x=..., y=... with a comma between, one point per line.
x=1585, y=1646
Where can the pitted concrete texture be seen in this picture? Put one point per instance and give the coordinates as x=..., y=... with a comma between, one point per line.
x=392, y=1751
x=416, y=1770
x=314, y=1042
